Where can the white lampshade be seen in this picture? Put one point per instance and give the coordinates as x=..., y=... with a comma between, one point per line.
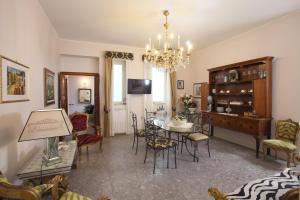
x=46, y=124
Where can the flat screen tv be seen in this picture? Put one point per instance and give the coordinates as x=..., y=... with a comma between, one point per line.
x=139, y=86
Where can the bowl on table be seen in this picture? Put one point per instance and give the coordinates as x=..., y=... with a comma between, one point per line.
x=220, y=109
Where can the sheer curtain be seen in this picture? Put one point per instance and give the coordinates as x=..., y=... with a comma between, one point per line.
x=149, y=104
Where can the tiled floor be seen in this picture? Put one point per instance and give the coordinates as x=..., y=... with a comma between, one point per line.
x=120, y=174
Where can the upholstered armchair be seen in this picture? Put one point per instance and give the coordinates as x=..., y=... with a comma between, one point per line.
x=52, y=188
x=84, y=134
x=286, y=137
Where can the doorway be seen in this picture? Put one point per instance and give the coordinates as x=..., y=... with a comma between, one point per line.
x=79, y=91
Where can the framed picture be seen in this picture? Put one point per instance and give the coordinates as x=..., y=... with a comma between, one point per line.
x=49, y=91
x=85, y=95
x=14, y=80
x=197, y=90
x=180, y=84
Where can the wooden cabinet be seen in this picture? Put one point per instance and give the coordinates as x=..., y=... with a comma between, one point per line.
x=242, y=89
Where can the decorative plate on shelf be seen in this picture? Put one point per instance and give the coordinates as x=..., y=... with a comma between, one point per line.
x=233, y=75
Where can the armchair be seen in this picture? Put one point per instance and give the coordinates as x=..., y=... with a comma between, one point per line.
x=286, y=137
x=81, y=131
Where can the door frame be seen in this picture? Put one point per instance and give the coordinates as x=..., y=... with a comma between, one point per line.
x=62, y=88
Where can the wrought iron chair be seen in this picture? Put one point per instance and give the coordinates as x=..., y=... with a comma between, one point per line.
x=137, y=133
x=204, y=135
x=81, y=131
x=286, y=137
x=157, y=143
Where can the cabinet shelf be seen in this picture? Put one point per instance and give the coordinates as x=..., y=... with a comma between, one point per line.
x=234, y=105
x=233, y=94
x=232, y=83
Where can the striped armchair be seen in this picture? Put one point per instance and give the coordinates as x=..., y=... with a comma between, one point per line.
x=286, y=137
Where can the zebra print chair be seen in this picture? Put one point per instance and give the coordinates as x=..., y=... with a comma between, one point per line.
x=285, y=140
x=282, y=186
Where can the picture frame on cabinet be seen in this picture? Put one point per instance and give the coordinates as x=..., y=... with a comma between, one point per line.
x=180, y=84
x=197, y=90
x=14, y=81
x=49, y=87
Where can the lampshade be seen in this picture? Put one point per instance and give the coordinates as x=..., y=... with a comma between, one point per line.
x=45, y=124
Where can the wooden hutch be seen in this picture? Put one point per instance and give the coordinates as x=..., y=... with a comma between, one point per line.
x=242, y=97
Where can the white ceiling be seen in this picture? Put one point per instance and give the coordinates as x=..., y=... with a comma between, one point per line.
x=132, y=22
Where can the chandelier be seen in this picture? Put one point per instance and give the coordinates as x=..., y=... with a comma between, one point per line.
x=165, y=52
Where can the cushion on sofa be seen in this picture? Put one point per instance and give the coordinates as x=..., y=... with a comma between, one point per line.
x=272, y=187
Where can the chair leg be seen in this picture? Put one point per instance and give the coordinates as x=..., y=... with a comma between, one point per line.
x=294, y=159
x=163, y=154
x=100, y=146
x=87, y=149
x=137, y=145
x=154, y=161
x=175, y=156
x=146, y=153
x=275, y=154
x=264, y=152
x=182, y=138
x=288, y=159
x=208, y=148
x=168, y=158
x=133, y=141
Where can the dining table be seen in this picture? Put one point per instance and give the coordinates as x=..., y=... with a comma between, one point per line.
x=181, y=131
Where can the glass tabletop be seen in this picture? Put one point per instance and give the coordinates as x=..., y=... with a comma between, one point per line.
x=168, y=124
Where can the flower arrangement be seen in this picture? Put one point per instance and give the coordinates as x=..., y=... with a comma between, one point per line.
x=188, y=101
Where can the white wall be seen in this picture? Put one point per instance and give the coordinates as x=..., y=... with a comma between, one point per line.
x=278, y=38
x=78, y=64
x=26, y=36
x=134, y=69
x=74, y=83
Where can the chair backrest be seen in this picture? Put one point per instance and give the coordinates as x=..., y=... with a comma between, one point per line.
x=134, y=123
x=150, y=131
x=79, y=121
x=205, y=124
x=287, y=130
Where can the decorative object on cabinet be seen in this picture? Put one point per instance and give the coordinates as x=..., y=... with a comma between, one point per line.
x=180, y=84
x=233, y=75
x=287, y=180
x=84, y=95
x=197, y=90
x=81, y=131
x=210, y=101
x=248, y=95
x=286, y=138
x=14, y=81
x=50, y=124
x=49, y=91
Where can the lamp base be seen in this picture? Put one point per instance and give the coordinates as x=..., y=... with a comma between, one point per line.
x=51, y=156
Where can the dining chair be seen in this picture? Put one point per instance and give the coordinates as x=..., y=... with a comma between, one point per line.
x=137, y=133
x=203, y=135
x=158, y=143
x=84, y=133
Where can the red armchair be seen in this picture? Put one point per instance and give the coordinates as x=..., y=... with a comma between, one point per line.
x=82, y=133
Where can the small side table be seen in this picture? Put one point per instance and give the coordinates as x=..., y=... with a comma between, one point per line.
x=34, y=169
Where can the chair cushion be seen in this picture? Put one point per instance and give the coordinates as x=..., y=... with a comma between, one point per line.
x=198, y=137
x=280, y=144
x=141, y=133
x=161, y=143
x=4, y=180
x=88, y=139
x=43, y=188
x=287, y=130
x=73, y=196
x=271, y=187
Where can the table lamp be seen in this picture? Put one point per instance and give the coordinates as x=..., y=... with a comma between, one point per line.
x=47, y=124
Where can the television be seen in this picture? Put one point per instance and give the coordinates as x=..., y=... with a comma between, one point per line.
x=139, y=86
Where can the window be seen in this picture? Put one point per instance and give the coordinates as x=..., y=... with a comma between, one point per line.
x=119, y=82
x=158, y=85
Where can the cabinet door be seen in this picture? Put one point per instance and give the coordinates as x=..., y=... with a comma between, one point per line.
x=259, y=89
x=204, y=95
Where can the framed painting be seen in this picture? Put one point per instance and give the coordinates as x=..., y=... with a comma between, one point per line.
x=84, y=95
x=14, y=80
x=49, y=91
x=180, y=84
x=197, y=90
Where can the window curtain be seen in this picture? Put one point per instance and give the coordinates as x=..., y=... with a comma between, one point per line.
x=173, y=92
x=148, y=101
x=108, y=97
